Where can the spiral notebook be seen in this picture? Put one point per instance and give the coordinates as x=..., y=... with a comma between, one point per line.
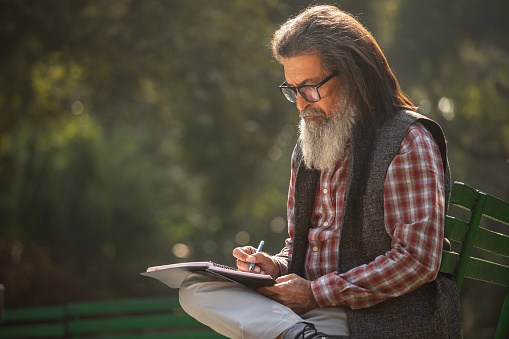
x=173, y=275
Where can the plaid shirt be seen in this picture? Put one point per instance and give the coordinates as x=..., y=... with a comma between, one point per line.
x=414, y=213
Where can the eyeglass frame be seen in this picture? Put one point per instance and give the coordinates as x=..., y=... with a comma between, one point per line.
x=297, y=89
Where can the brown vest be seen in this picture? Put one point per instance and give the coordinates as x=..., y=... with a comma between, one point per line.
x=430, y=311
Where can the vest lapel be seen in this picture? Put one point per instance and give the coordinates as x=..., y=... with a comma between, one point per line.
x=306, y=181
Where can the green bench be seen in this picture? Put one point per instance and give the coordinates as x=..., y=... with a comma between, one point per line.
x=469, y=235
x=163, y=317
x=124, y=319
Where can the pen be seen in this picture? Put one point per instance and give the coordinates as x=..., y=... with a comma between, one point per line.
x=258, y=250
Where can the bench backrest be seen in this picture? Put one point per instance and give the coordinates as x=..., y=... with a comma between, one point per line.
x=470, y=234
x=135, y=318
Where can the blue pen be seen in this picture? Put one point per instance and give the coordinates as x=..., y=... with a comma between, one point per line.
x=258, y=250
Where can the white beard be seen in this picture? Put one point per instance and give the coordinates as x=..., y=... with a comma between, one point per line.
x=324, y=141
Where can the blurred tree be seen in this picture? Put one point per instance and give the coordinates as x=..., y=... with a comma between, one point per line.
x=130, y=127
x=453, y=58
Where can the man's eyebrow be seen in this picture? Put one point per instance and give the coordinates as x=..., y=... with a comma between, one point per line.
x=305, y=82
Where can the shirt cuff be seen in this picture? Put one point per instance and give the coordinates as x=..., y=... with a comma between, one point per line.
x=326, y=291
x=284, y=265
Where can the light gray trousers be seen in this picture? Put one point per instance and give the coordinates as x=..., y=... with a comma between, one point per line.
x=236, y=311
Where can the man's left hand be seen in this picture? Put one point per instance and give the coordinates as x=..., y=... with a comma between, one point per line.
x=293, y=292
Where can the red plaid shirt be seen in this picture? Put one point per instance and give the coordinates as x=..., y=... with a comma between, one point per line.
x=414, y=212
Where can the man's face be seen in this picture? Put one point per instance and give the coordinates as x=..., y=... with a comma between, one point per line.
x=326, y=125
x=307, y=70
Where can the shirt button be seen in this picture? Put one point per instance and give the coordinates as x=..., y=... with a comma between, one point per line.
x=315, y=248
x=324, y=191
x=326, y=224
x=333, y=304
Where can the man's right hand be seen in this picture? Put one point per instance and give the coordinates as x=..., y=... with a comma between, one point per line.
x=264, y=262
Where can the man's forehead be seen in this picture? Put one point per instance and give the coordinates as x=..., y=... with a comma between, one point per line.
x=303, y=69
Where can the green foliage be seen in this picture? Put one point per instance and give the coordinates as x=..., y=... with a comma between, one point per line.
x=135, y=133
x=452, y=58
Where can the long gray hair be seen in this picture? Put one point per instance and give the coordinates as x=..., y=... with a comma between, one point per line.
x=344, y=45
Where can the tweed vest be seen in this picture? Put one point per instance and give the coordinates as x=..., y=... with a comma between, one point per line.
x=430, y=311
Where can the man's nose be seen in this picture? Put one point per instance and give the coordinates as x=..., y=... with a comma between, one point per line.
x=301, y=102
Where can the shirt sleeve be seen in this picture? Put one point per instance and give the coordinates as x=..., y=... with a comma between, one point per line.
x=414, y=212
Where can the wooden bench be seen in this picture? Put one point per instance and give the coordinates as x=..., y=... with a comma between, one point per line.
x=163, y=317
x=135, y=318
x=468, y=234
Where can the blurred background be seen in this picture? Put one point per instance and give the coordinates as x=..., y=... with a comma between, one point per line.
x=139, y=133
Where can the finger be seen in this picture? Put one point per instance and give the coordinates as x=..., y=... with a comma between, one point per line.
x=246, y=267
x=285, y=278
x=256, y=269
x=242, y=265
x=249, y=249
x=243, y=252
x=260, y=257
x=239, y=253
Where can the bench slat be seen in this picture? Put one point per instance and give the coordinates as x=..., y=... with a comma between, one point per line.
x=137, y=322
x=449, y=262
x=209, y=334
x=497, y=209
x=492, y=241
x=56, y=330
x=463, y=195
x=34, y=313
x=487, y=271
x=122, y=306
x=455, y=228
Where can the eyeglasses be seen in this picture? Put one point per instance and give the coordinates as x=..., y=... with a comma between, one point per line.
x=309, y=92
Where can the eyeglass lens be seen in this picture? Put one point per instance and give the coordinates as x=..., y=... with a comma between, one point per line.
x=309, y=93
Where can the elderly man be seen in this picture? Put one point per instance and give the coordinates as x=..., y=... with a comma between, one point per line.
x=368, y=194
